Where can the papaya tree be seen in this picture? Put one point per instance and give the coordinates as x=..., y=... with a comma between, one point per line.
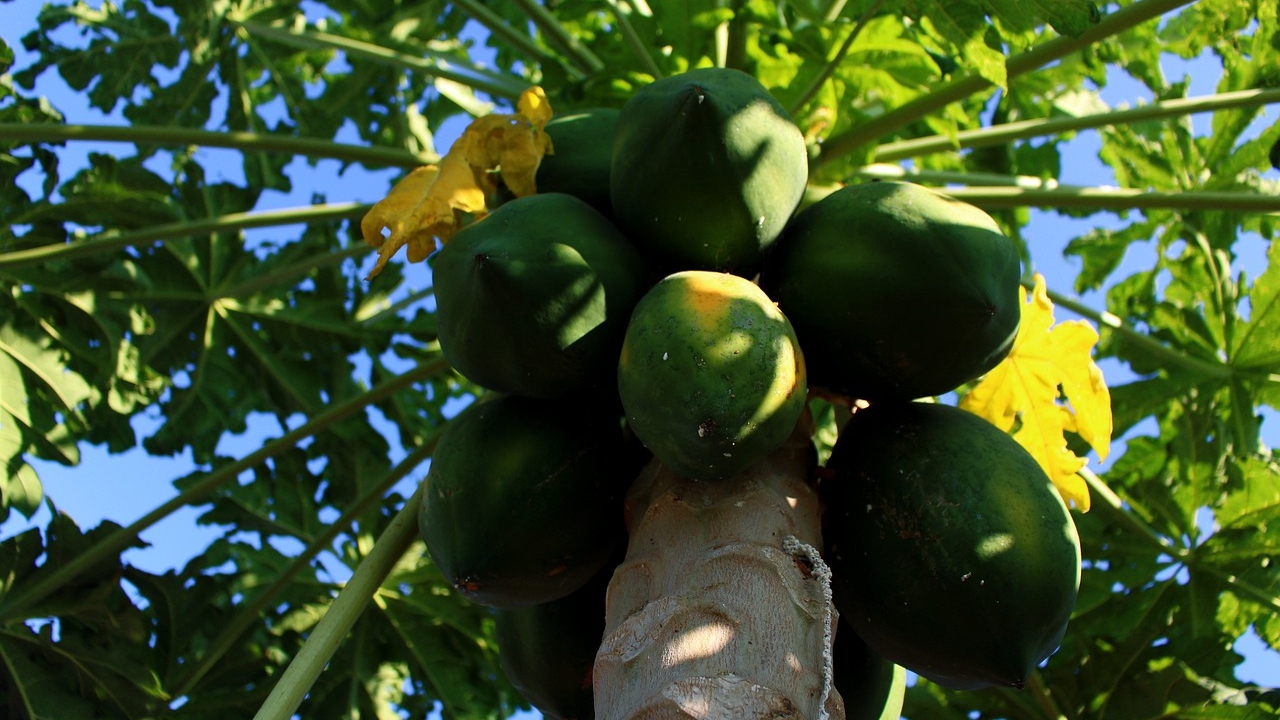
x=208, y=239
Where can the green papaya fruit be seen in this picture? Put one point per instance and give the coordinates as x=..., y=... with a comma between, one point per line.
x=582, y=151
x=872, y=687
x=896, y=291
x=707, y=168
x=951, y=552
x=548, y=651
x=523, y=499
x=533, y=299
x=710, y=376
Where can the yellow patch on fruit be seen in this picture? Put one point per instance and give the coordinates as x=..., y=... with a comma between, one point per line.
x=1026, y=385
x=710, y=296
x=428, y=204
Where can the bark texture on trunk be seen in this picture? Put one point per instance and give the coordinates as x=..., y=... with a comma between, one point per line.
x=709, y=617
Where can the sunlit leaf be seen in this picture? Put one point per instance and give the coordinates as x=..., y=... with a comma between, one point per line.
x=1255, y=342
x=1049, y=362
x=429, y=203
x=1069, y=17
x=964, y=25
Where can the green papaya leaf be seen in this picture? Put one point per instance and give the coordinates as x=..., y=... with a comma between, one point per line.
x=1256, y=344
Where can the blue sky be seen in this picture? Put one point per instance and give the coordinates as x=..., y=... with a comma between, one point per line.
x=124, y=487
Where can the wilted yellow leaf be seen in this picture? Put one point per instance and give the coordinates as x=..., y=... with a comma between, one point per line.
x=1025, y=386
x=427, y=205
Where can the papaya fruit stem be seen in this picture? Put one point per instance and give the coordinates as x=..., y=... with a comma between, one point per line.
x=722, y=44
x=1044, y=696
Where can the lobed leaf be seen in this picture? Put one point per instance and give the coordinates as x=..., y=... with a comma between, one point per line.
x=1254, y=341
x=1024, y=388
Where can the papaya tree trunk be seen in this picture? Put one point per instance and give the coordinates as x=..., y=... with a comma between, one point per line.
x=721, y=609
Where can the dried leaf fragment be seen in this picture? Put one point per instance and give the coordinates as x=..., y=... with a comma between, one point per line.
x=430, y=203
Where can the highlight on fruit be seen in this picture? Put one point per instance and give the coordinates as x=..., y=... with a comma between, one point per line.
x=711, y=376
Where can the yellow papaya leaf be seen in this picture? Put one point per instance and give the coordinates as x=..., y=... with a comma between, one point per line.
x=427, y=205
x=1025, y=387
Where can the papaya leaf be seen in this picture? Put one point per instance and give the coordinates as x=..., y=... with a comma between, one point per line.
x=99, y=657
x=1025, y=387
x=1133, y=402
x=127, y=44
x=90, y=596
x=1102, y=249
x=963, y=25
x=110, y=673
x=1068, y=17
x=1256, y=343
x=33, y=688
x=20, y=488
x=444, y=638
x=23, y=491
x=45, y=363
x=279, y=501
x=1242, y=163
x=1257, y=492
x=112, y=193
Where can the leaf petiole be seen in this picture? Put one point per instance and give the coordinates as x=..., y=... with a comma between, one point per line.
x=15, y=604
x=113, y=241
x=235, y=140
x=332, y=629
x=961, y=87
x=250, y=614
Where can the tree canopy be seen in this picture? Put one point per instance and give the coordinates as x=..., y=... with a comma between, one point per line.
x=130, y=291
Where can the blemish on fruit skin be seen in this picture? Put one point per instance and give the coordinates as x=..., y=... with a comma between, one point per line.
x=706, y=427
x=557, y=570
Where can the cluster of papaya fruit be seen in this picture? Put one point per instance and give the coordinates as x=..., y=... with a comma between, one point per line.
x=654, y=297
